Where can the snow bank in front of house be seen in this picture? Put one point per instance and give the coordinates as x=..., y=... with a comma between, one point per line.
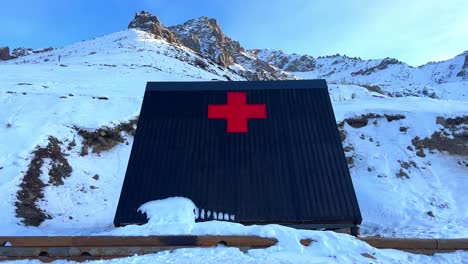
x=176, y=216
x=173, y=210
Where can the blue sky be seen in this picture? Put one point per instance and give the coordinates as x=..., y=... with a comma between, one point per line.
x=414, y=31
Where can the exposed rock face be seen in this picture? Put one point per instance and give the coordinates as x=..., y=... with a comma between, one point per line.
x=287, y=62
x=147, y=22
x=20, y=52
x=204, y=35
x=5, y=53
x=256, y=69
x=464, y=70
x=452, y=138
x=381, y=66
x=303, y=63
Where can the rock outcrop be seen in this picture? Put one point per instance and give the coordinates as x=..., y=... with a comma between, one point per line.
x=20, y=52
x=204, y=35
x=463, y=73
x=381, y=66
x=5, y=53
x=150, y=23
x=287, y=62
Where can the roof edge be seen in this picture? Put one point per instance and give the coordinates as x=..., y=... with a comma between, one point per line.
x=235, y=85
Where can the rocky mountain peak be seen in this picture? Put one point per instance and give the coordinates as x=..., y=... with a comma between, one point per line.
x=204, y=35
x=384, y=64
x=287, y=62
x=147, y=22
x=4, y=53
x=464, y=70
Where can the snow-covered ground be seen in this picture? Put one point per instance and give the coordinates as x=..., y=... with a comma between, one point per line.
x=41, y=99
x=175, y=216
x=100, y=82
x=399, y=206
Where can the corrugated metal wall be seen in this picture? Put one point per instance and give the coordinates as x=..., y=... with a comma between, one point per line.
x=288, y=168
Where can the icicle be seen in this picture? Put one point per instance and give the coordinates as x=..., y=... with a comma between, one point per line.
x=196, y=212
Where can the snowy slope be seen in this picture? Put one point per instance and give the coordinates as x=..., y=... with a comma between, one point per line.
x=395, y=203
x=100, y=83
x=129, y=50
x=389, y=75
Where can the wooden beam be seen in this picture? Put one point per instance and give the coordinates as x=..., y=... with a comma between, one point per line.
x=83, y=248
x=450, y=244
x=400, y=243
x=109, y=241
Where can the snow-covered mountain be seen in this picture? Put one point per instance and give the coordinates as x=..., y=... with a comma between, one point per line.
x=68, y=116
x=55, y=98
x=387, y=76
x=284, y=61
x=204, y=35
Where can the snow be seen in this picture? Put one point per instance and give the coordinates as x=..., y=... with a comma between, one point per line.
x=398, y=207
x=177, y=216
x=170, y=211
x=327, y=246
x=55, y=99
x=312, y=254
x=40, y=97
x=396, y=79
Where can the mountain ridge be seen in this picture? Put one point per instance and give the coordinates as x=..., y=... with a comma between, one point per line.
x=403, y=132
x=205, y=36
x=150, y=23
x=387, y=76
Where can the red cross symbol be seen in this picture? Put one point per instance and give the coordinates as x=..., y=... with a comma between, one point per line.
x=237, y=112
